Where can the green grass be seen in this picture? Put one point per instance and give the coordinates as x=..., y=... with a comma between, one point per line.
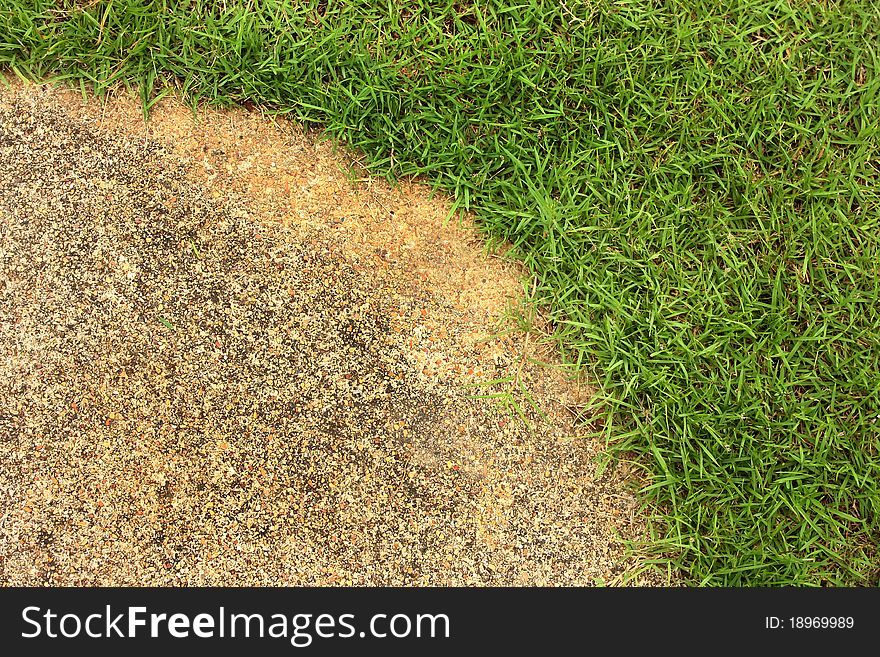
x=695, y=184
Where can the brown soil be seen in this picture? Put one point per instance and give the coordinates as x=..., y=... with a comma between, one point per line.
x=231, y=359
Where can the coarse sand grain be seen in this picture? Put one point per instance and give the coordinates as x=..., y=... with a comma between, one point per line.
x=227, y=358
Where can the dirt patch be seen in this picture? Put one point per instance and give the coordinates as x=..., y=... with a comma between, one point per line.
x=225, y=362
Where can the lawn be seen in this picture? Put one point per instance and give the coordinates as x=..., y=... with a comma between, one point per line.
x=695, y=186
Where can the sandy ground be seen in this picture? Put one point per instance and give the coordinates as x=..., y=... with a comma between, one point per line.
x=228, y=358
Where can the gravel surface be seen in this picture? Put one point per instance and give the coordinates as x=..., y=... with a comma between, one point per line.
x=190, y=395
